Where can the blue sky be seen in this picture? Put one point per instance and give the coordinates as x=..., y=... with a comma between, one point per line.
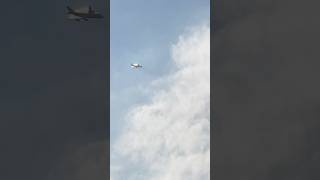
x=142, y=31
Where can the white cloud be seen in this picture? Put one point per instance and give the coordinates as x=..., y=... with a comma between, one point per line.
x=169, y=138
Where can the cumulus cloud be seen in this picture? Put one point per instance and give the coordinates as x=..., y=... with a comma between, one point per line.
x=168, y=138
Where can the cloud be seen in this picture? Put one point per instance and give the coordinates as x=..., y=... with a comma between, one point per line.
x=169, y=137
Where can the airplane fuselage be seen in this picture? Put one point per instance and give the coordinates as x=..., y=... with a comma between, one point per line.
x=88, y=15
x=136, y=66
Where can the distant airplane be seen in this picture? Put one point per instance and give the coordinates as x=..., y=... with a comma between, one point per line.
x=135, y=65
x=78, y=15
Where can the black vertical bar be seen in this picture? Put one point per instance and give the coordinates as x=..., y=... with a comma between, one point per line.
x=54, y=92
x=108, y=89
x=212, y=24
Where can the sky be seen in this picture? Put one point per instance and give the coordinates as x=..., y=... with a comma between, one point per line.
x=142, y=32
x=160, y=113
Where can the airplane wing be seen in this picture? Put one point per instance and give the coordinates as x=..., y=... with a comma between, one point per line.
x=73, y=17
x=81, y=10
x=136, y=67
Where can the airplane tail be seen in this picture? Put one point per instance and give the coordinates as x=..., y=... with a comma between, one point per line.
x=70, y=10
x=90, y=9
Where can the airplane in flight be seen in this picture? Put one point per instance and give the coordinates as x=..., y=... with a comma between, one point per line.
x=135, y=65
x=80, y=15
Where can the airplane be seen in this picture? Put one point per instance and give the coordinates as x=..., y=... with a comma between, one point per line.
x=135, y=65
x=78, y=16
